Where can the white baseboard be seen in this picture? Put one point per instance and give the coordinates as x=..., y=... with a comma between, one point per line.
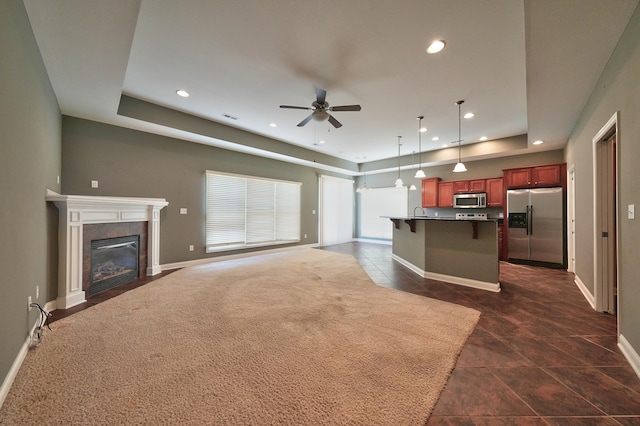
x=375, y=241
x=22, y=354
x=178, y=265
x=585, y=292
x=467, y=282
x=629, y=353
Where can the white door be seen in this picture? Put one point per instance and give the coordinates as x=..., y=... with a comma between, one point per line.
x=336, y=210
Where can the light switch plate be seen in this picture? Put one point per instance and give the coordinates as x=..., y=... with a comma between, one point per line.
x=94, y=183
x=631, y=211
x=183, y=210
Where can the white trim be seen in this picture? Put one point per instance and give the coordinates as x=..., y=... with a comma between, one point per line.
x=585, y=292
x=571, y=217
x=598, y=285
x=629, y=353
x=78, y=210
x=22, y=354
x=371, y=240
x=467, y=282
x=178, y=265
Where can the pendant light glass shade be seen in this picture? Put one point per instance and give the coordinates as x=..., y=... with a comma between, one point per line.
x=459, y=166
x=420, y=174
x=399, y=183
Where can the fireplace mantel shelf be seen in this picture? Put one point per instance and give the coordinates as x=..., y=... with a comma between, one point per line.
x=78, y=210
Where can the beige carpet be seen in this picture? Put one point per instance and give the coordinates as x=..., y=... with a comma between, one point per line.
x=300, y=339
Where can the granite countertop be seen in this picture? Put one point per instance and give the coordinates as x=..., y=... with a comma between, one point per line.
x=441, y=218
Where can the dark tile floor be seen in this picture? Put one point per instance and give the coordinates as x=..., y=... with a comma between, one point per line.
x=538, y=356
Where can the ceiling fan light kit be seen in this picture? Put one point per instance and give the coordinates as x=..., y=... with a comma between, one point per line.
x=320, y=110
x=459, y=165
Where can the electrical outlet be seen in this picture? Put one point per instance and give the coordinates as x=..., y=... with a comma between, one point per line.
x=29, y=302
x=631, y=211
x=183, y=210
x=94, y=183
x=305, y=236
x=191, y=247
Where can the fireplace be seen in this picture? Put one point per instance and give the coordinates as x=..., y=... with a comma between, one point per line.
x=114, y=261
x=84, y=219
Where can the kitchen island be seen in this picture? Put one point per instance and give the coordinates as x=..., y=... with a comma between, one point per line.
x=463, y=252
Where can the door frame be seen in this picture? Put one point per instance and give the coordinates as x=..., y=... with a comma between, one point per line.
x=571, y=218
x=602, y=289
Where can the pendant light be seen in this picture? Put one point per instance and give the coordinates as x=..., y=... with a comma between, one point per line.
x=420, y=174
x=459, y=166
x=399, y=183
x=413, y=185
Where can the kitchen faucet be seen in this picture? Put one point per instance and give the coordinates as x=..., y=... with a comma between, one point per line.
x=418, y=207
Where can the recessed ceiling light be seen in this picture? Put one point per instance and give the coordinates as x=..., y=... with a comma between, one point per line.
x=423, y=129
x=435, y=46
x=321, y=142
x=435, y=138
x=444, y=145
x=182, y=93
x=538, y=142
x=273, y=125
x=483, y=138
x=469, y=115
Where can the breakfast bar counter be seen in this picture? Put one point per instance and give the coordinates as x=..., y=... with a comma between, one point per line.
x=458, y=251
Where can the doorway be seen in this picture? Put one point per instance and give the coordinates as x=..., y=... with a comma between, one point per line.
x=571, y=219
x=605, y=217
x=336, y=206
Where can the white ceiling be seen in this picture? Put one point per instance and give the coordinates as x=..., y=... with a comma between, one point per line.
x=522, y=66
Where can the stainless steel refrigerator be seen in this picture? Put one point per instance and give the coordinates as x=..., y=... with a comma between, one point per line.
x=535, y=224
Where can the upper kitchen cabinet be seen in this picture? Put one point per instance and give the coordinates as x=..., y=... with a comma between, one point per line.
x=535, y=177
x=475, y=185
x=495, y=192
x=430, y=192
x=445, y=194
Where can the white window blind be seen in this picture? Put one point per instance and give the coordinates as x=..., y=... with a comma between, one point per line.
x=245, y=211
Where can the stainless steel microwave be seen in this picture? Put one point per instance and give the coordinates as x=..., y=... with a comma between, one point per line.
x=476, y=200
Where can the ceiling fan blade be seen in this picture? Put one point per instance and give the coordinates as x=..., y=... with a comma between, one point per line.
x=346, y=108
x=335, y=122
x=305, y=121
x=294, y=107
x=321, y=96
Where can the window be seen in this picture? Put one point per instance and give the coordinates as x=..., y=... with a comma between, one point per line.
x=245, y=211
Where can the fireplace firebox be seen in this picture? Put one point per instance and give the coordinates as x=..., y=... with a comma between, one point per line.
x=114, y=261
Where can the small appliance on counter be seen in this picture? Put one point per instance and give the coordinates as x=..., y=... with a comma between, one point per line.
x=473, y=216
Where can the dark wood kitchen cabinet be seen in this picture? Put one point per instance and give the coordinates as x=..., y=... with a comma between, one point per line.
x=474, y=185
x=535, y=177
x=430, y=192
x=495, y=192
x=445, y=194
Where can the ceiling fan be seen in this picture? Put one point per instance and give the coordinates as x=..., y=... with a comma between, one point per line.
x=321, y=108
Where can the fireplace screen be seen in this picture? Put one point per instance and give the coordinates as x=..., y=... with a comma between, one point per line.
x=114, y=261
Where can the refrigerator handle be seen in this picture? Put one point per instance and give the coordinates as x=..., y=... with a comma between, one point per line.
x=529, y=220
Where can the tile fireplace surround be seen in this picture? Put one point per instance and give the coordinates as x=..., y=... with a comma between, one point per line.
x=78, y=210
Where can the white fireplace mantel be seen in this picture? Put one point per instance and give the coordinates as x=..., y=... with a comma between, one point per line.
x=78, y=210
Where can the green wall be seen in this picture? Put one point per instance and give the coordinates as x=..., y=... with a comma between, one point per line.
x=30, y=126
x=618, y=89
x=130, y=163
